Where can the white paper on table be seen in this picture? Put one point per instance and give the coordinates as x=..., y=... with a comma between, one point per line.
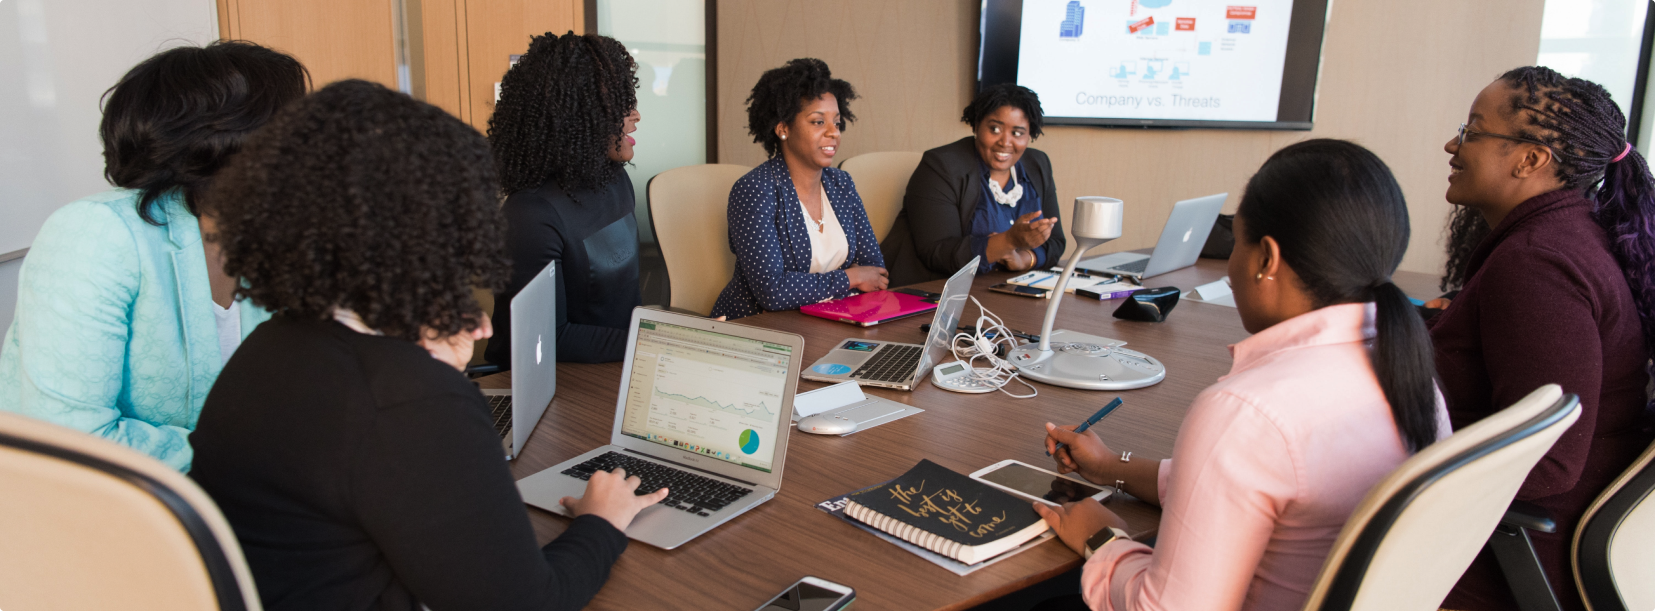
x=1048, y=279
x=826, y=398
x=1216, y=293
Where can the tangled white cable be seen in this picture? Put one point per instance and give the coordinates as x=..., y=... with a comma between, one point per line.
x=969, y=347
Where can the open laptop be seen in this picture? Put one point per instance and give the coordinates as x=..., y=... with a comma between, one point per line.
x=1180, y=244
x=895, y=365
x=704, y=410
x=534, y=362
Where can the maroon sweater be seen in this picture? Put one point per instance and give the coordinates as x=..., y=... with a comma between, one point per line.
x=1546, y=302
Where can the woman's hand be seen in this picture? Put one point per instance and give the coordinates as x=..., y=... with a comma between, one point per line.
x=1028, y=233
x=1084, y=453
x=1078, y=521
x=867, y=279
x=456, y=349
x=1440, y=303
x=612, y=496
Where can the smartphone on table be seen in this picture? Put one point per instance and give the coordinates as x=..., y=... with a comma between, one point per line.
x=1037, y=484
x=1020, y=290
x=811, y=594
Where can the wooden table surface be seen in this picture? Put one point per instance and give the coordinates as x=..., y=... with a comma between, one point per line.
x=739, y=565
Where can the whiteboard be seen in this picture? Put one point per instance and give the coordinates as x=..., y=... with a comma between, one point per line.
x=57, y=57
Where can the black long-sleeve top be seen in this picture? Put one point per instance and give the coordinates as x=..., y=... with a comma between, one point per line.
x=594, y=238
x=360, y=473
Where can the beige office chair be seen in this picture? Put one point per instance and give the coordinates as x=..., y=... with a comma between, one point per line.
x=89, y=524
x=688, y=209
x=1418, y=529
x=882, y=181
x=1614, y=549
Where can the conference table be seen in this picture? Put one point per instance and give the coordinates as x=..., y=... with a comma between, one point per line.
x=740, y=564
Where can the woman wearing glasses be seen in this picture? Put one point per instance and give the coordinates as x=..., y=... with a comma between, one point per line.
x=1562, y=290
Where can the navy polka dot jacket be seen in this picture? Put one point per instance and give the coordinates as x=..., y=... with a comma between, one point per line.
x=768, y=236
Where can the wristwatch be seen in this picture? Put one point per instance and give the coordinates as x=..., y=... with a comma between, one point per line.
x=1102, y=538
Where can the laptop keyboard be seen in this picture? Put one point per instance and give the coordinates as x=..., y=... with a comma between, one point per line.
x=685, y=491
x=500, y=409
x=1136, y=267
x=893, y=363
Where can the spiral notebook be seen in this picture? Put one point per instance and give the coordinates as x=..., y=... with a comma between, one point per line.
x=948, y=513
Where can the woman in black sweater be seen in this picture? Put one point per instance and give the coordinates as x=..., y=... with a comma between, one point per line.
x=359, y=468
x=559, y=135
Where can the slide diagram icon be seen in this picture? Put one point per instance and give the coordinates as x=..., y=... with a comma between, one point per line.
x=1074, y=20
x=1154, y=3
x=1125, y=69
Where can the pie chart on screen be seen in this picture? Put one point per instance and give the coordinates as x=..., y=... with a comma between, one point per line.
x=749, y=441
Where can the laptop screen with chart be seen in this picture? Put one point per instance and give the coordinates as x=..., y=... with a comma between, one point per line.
x=709, y=393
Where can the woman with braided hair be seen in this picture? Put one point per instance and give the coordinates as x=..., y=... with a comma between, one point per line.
x=561, y=144
x=1561, y=291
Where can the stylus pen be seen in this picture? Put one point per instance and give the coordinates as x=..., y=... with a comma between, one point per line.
x=1091, y=421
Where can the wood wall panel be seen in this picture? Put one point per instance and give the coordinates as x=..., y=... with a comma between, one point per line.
x=1390, y=80
x=334, y=40
x=496, y=30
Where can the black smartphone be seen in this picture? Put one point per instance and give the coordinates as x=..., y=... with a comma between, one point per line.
x=811, y=594
x=926, y=295
x=1017, y=289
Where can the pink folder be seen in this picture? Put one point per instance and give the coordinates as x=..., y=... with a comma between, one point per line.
x=869, y=309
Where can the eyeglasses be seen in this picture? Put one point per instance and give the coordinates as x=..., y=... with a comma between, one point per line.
x=1466, y=130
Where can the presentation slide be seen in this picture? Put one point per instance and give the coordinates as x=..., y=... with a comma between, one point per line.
x=1199, y=60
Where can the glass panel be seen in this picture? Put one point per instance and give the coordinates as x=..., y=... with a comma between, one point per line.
x=668, y=40
x=1597, y=40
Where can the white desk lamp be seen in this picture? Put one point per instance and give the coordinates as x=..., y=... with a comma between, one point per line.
x=1077, y=360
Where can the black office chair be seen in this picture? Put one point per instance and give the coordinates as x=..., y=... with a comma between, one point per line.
x=1613, y=550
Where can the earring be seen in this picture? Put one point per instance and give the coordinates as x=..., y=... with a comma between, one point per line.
x=1259, y=276
x=784, y=136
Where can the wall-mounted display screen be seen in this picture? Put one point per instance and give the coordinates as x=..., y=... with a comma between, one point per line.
x=1170, y=63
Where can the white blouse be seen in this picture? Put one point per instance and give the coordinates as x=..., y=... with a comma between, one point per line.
x=828, y=245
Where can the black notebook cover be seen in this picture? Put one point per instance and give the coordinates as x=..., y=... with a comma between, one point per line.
x=949, y=505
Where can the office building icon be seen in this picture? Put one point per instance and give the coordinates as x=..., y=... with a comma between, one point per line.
x=1074, y=20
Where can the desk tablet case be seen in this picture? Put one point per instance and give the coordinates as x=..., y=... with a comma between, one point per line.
x=870, y=309
x=947, y=513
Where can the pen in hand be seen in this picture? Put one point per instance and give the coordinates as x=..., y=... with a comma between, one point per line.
x=1090, y=421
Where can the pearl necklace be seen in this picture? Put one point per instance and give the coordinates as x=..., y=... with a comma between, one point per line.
x=1007, y=198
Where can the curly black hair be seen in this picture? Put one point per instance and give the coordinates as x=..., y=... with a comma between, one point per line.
x=1006, y=94
x=562, y=109
x=1466, y=229
x=362, y=198
x=174, y=119
x=782, y=93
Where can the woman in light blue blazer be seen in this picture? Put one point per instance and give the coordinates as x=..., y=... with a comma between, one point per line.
x=124, y=314
x=797, y=226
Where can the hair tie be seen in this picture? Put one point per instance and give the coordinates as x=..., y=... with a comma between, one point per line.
x=1621, y=156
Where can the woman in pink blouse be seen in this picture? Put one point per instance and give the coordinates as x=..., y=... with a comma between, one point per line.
x=1331, y=393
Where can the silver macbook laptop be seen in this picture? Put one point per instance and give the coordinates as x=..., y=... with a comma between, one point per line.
x=894, y=365
x=1180, y=244
x=704, y=411
x=533, y=361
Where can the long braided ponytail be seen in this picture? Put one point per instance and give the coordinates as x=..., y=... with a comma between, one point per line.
x=1579, y=121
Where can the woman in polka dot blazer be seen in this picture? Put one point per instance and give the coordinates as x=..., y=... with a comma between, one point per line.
x=797, y=226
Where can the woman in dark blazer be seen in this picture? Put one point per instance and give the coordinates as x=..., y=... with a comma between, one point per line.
x=1562, y=290
x=797, y=226
x=987, y=195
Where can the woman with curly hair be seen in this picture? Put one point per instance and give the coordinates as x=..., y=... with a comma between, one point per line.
x=559, y=135
x=357, y=470
x=1568, y=268
x=987, y=196
x=797, y=226
x=124, y=314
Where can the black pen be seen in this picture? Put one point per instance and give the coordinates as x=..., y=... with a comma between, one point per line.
x=1091, y=421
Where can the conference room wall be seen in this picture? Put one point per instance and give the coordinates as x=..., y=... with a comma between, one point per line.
x=1397, y=76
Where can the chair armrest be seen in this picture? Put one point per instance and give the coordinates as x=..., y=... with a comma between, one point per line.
x=1529, y=516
